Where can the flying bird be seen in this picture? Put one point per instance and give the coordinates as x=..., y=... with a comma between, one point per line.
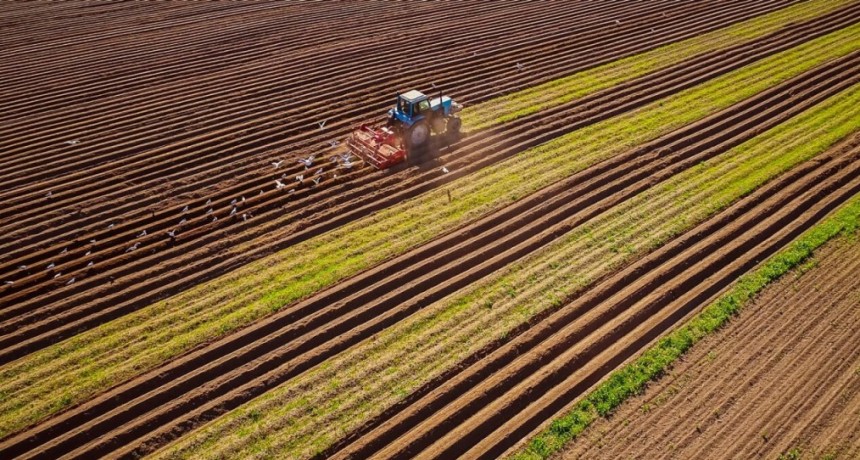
x=333, y=143
x=183, y=221
x=50, y=266
x=133, y=247
x=243, y=200
x=278, y=184
x=73, y=142
x=233, y=211
x=209, y=211
x=110, y=226
x=317, y=180
x=214, y=218
x=57, y=275
x=185, y=209
x=233, y=203
x=90, y=264
x=65, y=250
x=88, y=253
x=171, y=233
x=49, y=195
x=308, y=162
x=322, y=124
x=300, y=177
x=244, y=217
x=142, y=234
x=444, y=170
x=209, y=201
x=70, y=281
x=520, y=66
x=277, y=164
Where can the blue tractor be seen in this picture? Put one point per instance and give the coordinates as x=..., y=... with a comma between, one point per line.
x=410, y=123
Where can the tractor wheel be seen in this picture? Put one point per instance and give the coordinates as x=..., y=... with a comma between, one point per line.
x=453, y=128
x=418, y=135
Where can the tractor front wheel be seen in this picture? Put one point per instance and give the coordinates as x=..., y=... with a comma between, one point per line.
x=418, y=135
x=453, y=127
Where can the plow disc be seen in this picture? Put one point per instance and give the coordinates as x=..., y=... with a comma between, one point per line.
x=378, y=147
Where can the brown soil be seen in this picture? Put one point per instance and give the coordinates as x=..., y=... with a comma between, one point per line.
x=134, y=168
x=150, y=410
x=784, y=375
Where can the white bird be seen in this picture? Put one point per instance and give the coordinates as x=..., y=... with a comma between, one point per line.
x=300, y=177
x=243, y=200
x=347, y=164
x=209, y=211
x=65, y=250
x=214, y=218
x=93, y=241
x=22, y=267
x=70, y=281
x=277, y=164
x=8, y=283
x=50, y=266
x=319, y=171
x=49, y=194
x=444, y=170
x=520, y=66
x=292, y=190
x=317, y=180
x=132, y=247
x=261, y=192
x=57, y=275
x=90, y=264
x=73, y=142
x=183, y=221
x=346, y=157
x=110, y=226
x=278, y=184
x=171, y=233
x=209, y=201
x=617, y=21
x=308, y=162
x=322, y=124
x=185, y=209
x=244, y=217
x=233, y=211
x=233, y=203
x=142, y=234
x=88, y=253
x=333, y=143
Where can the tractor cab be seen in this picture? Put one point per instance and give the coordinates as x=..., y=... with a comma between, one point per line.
x=410, y=107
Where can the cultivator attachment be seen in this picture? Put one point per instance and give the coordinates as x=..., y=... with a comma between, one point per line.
x=378, y=147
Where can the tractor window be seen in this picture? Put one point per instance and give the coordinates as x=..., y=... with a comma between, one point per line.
x=423, y=106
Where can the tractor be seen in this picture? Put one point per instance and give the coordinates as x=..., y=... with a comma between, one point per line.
x=408, y=129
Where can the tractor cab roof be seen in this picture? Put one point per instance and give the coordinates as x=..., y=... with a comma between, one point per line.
x=413, y=96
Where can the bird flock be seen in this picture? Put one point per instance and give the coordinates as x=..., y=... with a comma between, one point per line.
x=338, y=162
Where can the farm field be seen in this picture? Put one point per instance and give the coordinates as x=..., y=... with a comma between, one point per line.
x=622, y=166
x=782, y=379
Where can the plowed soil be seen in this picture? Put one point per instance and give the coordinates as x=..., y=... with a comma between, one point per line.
x=783, y=377
x=123, y=148
x=164, y=106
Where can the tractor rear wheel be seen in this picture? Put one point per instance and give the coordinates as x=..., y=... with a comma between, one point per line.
x=417, y=135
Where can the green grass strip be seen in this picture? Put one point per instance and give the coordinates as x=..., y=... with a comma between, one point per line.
x=632, y=379
x=556, y=92
x=310, y=412
x=69, y=372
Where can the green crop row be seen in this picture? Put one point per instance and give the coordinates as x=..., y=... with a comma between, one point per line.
x=69, y=372
x=556, y=92
x=632, y=379
x=307, y=414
